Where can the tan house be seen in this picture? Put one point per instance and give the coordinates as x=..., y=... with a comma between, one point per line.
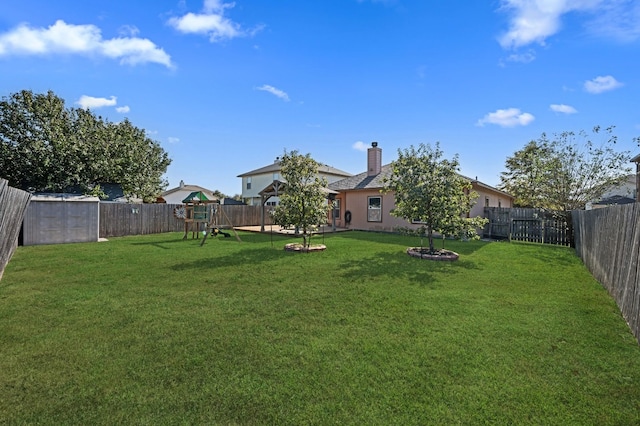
x=255, y=181
x=360, y=204
x=180, y=192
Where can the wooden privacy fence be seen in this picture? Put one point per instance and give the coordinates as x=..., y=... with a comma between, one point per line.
x=532, y=225
x=13, y=206
x=608, y=242
x=117, y=219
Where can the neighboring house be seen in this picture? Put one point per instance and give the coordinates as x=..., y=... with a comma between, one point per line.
x=115, y=193
x=624, y=193
x=255, y=181
x=360, y=200
x=625, y=189
x=179, y=193
x=614, y=200
x=231, y=202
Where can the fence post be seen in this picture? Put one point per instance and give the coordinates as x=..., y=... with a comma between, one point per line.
x=13, y=207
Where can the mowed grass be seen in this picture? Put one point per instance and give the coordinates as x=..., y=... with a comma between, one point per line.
x=159, y=330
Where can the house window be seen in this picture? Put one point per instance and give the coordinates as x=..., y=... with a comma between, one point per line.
x=249, y=182
x=374, y=212
x=272, y=203
x=336, y=209
x=486, y=201
x=499, y=203
x=276, y=176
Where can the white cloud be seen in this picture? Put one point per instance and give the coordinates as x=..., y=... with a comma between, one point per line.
x=63, y=38
x=523, y=58
x=565, y=109
x=601, y=84
x=216, y=6
x=172, y=140
x=89, y=102
x=211, y=22
x=533, y=21
x=123, y=109
x=128, y=30
x=274, y=91
x=360, y=146
x=619, y=19
x=510, y=117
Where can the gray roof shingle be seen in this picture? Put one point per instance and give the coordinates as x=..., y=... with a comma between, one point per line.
x=275, y=167
x=362, y=181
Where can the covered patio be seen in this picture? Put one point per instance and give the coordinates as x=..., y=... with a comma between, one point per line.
x=277, y=188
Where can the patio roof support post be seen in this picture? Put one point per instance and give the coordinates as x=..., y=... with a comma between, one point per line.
x=264, y=201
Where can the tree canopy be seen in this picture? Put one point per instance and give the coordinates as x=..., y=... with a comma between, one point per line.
x=566, y=172
x=45, y=146
x=304, y=203
x=429, y=190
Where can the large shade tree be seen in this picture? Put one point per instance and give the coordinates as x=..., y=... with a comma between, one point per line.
x=303, y=204
x=45, y=146
x=428, y=189
x=565, y=172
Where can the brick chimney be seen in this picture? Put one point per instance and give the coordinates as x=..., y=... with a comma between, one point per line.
x=374, y=160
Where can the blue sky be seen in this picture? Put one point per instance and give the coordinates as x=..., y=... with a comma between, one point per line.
x=226, y=87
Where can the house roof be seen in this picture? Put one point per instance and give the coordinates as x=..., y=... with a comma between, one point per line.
x=486, y=186
x=363, y=181
x=276, y=167
x=615, y=199
x=279, y=187
x=191, y=188
x=63, y=196
x=636, y=159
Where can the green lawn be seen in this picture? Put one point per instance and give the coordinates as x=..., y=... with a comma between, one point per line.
x=158, y=330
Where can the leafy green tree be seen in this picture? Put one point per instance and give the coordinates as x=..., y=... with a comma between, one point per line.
x=526, y=175
x=45, y=146
x=429, y=189
x=304, y=203
x=566, y=172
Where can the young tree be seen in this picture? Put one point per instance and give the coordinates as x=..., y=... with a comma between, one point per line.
x=45, y=146
x=429, y=189
x=566, y=172
x=304, y=203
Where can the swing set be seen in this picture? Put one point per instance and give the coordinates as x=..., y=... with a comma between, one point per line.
x=201, y=215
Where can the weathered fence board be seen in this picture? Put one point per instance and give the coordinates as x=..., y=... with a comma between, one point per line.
x=608, y=242
x=532, y=225
x=117, y=219
x=13, y=205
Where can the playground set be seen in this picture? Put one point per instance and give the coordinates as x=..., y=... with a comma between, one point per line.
x=200, y=215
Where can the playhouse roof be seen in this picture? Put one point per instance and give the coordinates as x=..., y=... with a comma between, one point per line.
x=195, y=196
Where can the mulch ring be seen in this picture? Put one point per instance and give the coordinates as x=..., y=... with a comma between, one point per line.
x=425, y=253
x=301, y=248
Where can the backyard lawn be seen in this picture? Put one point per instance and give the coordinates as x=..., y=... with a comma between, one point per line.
x=159, y=330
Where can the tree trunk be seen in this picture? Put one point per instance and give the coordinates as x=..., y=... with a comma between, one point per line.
x=431, y=248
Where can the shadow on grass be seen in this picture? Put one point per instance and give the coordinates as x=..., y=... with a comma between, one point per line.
x=401, y=266
x=460, y=247
x=245, y=257
x=168, y=243
x=548, y=253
